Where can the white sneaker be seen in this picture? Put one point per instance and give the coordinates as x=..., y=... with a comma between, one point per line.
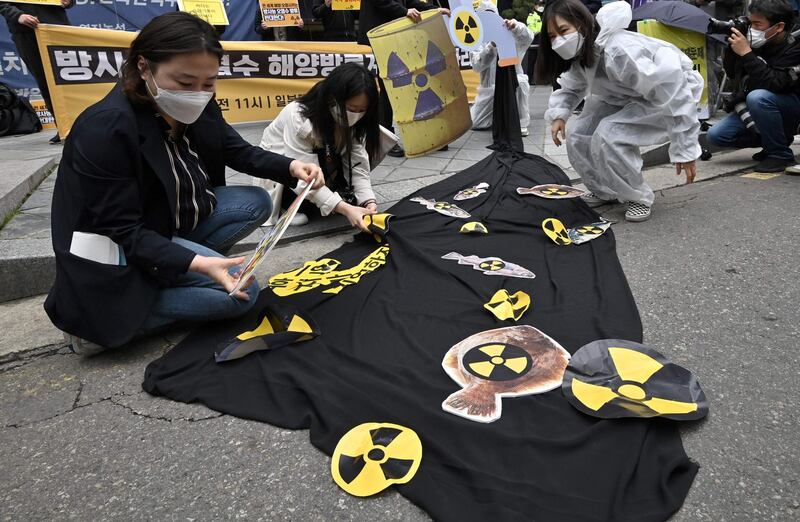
x=299, y=220
x=794, y=170
x=82, y=346
x=524, y=131
x=593, y=200
x=637, y=212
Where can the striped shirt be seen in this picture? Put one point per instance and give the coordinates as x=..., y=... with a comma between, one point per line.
x=194, y=198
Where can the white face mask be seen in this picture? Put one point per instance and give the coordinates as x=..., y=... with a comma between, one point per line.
x=568, y=46
x=352, y=117
x=758, y=38
x=184, y=106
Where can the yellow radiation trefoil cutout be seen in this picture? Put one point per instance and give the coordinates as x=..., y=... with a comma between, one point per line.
x=373, y=456
x=614, y=378
x=508, y=306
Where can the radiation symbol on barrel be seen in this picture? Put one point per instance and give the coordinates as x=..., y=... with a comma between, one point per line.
x=428, y=103
x=556, y=231
x=504, y=362
x=465, y=28
x=614, y=378
x=373, y=456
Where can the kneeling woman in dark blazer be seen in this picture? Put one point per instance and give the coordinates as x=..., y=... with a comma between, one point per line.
x=143, y=174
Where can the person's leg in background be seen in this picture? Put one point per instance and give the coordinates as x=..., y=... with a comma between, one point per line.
x=28, y=50
x=195, y=298
x=731, y=132
x=386, y=117
x=776, y=116
x=239, y=211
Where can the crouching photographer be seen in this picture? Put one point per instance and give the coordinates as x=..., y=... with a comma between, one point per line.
x=763, y=60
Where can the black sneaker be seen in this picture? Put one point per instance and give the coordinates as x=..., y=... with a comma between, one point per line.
x=397, y=152
x=760, y=155
x=774, y=165
x=55, y=139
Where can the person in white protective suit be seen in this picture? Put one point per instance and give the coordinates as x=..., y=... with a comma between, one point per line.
x=484, y=62
x=641, y=91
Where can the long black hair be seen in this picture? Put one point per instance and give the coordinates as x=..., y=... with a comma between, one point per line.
x=344, y=82
x=164, y=37
x=549, y=65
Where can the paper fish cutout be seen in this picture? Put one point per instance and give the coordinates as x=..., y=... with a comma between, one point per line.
x=505, y=362
x=373, y=456
x=613, y=378
x=491, y=265
x=474, y=227
x=274, y=328
x=561, y=235
x=508, y=306
x=551, y=191
x=323, y=272
x=443, y=207
x=472, y=192
x=378, y=224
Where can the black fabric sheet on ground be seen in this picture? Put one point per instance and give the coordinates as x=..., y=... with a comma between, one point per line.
x=379, y=359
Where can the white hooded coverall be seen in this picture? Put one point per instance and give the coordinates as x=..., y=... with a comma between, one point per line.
x=484, y=62
x=642, y=92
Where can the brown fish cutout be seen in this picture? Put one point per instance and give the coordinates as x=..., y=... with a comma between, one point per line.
x=504, y=362
x=552, y=191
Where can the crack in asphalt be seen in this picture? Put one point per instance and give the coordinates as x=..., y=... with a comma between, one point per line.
x=112, y=399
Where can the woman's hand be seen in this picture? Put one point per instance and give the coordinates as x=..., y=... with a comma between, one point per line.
x=218, y=269
x=413, y=15
x=689, y=167
x=372, y=206
x=28, y=21
x=308, y=172
x=264, y=24
x=510, y=24
x=558, y=131
x=355, y=215
x=444, y=11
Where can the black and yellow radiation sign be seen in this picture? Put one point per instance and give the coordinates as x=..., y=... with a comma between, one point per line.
x=378, y=225
x=613, y=378
x=474, y=227
x=554, y=191
x=275, y=327
x=492, y=265
x=556, y=231
x=323, y=272
x=467, y=28
x=373, y=456
x=589, y=229
x=497, y=362
x=508, y=306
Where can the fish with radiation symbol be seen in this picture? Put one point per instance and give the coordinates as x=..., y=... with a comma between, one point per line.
x=443, y=207
x=472, y=192
x=491, y=265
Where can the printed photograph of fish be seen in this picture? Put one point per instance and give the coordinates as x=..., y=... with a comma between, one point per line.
x=443, y=207
x=491, y=265
x=551, y=191
x=472, y=192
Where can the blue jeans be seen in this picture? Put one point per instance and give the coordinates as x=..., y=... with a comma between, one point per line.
x=776, y=116
x=195, y=297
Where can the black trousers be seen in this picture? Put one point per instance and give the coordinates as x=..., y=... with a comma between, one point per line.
x=385, y=114
x=28, y=49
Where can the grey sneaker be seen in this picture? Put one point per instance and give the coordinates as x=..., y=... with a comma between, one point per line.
x=592, y=200
x=794, y=170
x=82, y=346
x=637, y=212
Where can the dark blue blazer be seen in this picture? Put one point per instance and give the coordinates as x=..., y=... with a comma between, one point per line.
x=115, y=180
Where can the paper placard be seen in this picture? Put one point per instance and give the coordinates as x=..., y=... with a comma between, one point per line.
x=346, y=5
x=280, y=13
x=212, y=11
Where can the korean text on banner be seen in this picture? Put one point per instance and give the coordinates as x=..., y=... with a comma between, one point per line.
x=212, y=11
x=256, y=79
x=692, y=44
x=346, y=5
x=278, y=13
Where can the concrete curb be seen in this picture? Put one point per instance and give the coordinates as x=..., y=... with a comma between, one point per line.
x=11, y=200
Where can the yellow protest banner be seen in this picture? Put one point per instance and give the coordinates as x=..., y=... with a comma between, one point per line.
x=280, y=13
x=692, y=44
x=256, y=79
x=39, y=2
x=212, y=11
x=346, y=5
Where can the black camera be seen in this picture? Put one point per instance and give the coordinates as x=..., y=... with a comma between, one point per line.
x=348, y=195
x=741, y=24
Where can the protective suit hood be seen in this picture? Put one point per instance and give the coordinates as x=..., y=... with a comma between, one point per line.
x=612, y=18
x=487, y=5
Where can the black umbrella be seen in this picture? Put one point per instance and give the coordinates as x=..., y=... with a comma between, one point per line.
x=676, y=14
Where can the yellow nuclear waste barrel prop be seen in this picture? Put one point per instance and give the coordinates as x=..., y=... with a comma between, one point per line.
x=418, y=65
